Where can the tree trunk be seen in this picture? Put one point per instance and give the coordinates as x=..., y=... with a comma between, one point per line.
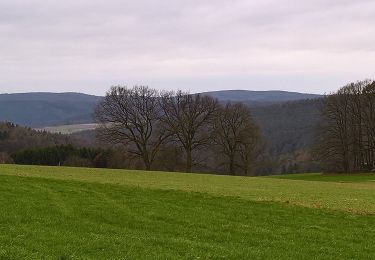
x=189, y=160
x=231, y=166
x=146, y=161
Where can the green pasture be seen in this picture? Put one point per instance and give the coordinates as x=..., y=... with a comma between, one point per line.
x=78, y=213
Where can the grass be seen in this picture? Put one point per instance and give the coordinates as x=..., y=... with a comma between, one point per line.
x=348, y=178
x=358, y=197
x=73, y=213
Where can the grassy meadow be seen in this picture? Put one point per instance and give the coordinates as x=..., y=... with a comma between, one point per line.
x=78, y=213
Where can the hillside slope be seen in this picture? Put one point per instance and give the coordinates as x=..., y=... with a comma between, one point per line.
x=288, y=126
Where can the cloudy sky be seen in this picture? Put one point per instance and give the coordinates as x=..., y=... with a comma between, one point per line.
x=86, y=46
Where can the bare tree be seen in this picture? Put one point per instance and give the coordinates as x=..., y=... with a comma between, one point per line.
x=334, y=146
x=188, y=118
x=347, y=131
x=131, y=117
x=237, y=137
x=368, y=114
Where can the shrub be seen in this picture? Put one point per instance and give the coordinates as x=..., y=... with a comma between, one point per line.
x=5, y=158
x=76, y=161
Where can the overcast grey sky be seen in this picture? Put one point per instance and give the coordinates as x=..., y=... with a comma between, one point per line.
x=198, y=45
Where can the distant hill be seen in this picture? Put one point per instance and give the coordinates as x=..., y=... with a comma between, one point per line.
x=54, y=109
x=273, y=96
x=47, y=109
x=51, y=97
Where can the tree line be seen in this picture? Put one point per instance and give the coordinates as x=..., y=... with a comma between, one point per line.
x=168, y=130
x=63, y=155
x=346, y=134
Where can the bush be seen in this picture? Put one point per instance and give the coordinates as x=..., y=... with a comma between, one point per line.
x=76, y=161
x=5, y=158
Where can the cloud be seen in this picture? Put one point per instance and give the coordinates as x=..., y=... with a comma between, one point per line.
x=88, y=45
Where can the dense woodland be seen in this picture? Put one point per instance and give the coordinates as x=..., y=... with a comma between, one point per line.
x=14, y=138
x=288, y=130
x=23, y=145
x=142, y=128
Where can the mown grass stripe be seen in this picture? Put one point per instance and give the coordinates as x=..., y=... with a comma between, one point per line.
x=48, y=219
x=357, y=198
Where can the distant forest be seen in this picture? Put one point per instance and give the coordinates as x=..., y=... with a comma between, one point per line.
x=267, y=138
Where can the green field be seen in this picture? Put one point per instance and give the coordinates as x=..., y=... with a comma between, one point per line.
x=77, y=213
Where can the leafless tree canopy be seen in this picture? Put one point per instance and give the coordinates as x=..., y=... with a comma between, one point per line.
x=347, y=135
x=163, y=129
x=237, y=138
x=131, y=117
x=189, y=119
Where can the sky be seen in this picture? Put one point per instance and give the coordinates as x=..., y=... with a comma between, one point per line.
x=312, y=46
